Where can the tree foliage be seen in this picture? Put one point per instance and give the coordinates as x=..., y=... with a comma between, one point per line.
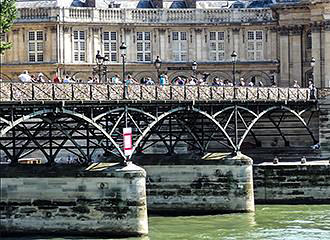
x=7, y=16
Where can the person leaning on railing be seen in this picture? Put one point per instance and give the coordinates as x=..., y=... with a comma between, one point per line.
x=312, y=89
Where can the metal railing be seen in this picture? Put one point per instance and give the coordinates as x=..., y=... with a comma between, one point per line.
x=108, y=92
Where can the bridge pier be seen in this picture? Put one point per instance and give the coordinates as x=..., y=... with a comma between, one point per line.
x=216, y=183
x=66, y=200
x=324, y=124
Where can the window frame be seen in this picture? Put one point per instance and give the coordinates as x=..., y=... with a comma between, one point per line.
x=181, y=51
x=37, y=42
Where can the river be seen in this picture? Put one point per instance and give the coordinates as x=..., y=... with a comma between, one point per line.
x=269, y=222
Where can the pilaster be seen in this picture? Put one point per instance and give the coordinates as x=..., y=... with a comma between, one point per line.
x=295, y=55
x=316, y=53
x=327, y=54
x=284, y=57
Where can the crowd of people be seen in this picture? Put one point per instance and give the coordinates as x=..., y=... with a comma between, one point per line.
x=163, y=79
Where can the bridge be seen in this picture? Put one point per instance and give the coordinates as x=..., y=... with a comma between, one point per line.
x=83, y=122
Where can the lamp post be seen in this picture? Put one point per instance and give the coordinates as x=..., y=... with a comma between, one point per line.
x=158, y=64
x=194, y=68
x=101, y=67
x=123, y=55
x=312, y=65
x=234, y=60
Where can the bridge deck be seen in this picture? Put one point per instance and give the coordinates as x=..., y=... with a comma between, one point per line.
x=108, y=92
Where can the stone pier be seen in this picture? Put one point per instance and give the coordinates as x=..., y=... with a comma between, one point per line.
x=217, y=183
x=324, y=122
x=103, y=199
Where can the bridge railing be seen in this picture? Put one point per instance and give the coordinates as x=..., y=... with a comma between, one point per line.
x=106, y=92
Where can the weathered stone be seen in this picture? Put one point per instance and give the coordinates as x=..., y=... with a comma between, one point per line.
x=76, y=205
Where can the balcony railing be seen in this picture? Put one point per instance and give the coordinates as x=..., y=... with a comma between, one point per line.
x=139, y=16
x=109, y=92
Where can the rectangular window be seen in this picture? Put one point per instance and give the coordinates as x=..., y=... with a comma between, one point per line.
x=179, y=46
x=143, y=46
x=255, y=45
x=79, y=46
x=36, y=46
x=217, y=46
x=110, y=45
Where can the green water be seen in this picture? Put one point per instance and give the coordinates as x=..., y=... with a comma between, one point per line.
x=271, y=222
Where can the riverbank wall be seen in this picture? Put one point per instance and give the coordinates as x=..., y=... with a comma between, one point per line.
x=292, y=183
x=103, y=200
x=214, y=184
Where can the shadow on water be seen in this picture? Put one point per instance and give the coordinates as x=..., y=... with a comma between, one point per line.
x=271, y=222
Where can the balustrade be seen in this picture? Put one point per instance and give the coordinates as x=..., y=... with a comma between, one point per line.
x=113, y=15
x=103, y=92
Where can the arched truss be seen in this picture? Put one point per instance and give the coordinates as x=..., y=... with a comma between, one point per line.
x=148, y=74
x=261, y=74
x=104, y=128
x=173, y=75
x=221, y=75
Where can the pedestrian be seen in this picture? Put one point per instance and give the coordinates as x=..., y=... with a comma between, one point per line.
x=150, y=81
x=162, y=80
x=295, y=84
x=56, y=79
x=242, y=82
x=115, y=79
x=250, y=84
x=40, y=78
x=66, y=79
x=312, y=89
x=25, y=77
x=260, y=84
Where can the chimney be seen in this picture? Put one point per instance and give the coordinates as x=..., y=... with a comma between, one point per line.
x=90, y=3
x=157, y=3
x=191, y=3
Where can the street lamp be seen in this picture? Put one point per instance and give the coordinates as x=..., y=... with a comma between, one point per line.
x=312, y=65
x=158, y=64
x=234, y=60
x=194, y=67
x=123, y=55
x=101, y=67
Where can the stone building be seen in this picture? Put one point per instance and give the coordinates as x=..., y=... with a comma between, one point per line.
x=274, y=40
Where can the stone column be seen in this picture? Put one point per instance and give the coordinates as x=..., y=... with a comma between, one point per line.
x=47, y=44
x=327, y=54
x=316, y=53
x=198, y=46
x=295, y=56
x=162, y=39
x=284, y=58
x=236, y=43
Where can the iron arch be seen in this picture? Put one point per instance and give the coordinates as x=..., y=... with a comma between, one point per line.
x=221, y=75
x=270, y=110
x=164, y=115
x=267, y=79
x=64, y=111
x=139, y=76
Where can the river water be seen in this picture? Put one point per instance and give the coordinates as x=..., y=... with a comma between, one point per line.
x=269, y=222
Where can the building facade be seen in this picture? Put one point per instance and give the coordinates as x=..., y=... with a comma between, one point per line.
x=274, y=41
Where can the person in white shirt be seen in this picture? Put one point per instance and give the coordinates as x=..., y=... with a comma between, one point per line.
x=25, y=77
x=295, y=84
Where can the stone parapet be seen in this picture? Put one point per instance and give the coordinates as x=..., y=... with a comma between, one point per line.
x=145, y=16
x=104, y=199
